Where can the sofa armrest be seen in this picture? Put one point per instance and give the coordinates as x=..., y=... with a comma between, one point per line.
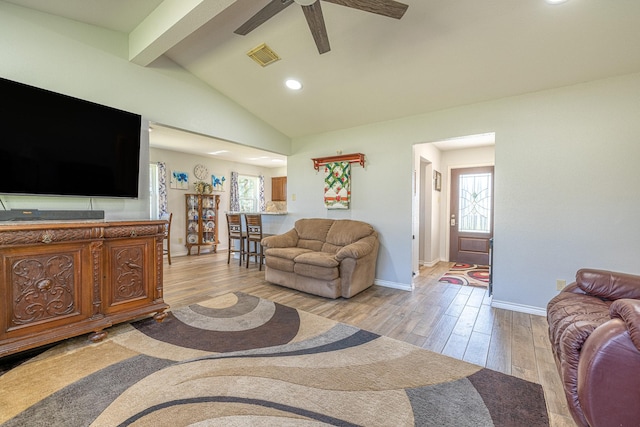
x=286, y=240
x=629, y=311
x=608, y=285
x=359, y=249
x=608, y=380
x=573, y=288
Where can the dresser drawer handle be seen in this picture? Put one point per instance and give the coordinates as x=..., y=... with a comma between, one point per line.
x=47, y=238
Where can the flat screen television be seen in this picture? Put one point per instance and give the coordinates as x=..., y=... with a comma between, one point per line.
x=53, y=144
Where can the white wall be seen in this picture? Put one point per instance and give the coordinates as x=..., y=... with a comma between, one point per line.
x=280, y=171
x=427, y=200
x=381, y=191
x=91, y=63
x=566, y=180
x=429, y=204
x=176, y=198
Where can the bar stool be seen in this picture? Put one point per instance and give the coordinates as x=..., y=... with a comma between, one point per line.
x=253, y=223
x=235, y=233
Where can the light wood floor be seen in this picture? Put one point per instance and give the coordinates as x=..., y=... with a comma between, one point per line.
x=454, y=320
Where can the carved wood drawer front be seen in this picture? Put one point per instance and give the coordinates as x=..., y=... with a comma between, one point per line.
x=130, y=272
x=47, y=236
x=132, y=231
x=43, y=289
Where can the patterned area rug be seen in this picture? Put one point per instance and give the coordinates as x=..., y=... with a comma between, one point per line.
x=467, y=275
x=240, y=360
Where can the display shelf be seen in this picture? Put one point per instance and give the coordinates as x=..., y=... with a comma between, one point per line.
x=351, y=158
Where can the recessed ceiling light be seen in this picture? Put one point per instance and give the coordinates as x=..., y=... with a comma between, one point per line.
x=555, y=1
x=218, y=152
x=293, y=84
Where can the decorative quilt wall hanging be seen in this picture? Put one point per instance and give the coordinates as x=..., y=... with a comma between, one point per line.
x=337, y=185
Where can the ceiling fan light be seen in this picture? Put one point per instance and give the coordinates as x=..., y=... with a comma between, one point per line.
x=305, y=2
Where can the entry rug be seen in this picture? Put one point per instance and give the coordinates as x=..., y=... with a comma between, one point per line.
x=467, y=275
x=239, y=360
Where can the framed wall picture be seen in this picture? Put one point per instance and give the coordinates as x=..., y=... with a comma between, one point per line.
x=218, y=182
x=179, y=180
x=437, y=181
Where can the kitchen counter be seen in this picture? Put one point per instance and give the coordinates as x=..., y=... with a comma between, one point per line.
x=272, y=222
x=258, y=213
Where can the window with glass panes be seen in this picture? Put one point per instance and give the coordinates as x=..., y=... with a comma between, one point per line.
x=248, y=193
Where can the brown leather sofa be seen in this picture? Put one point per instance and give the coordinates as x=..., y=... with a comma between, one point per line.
x=594, y=328
x=326, y=257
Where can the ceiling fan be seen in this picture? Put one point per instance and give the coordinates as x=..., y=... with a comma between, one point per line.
x=313, y=12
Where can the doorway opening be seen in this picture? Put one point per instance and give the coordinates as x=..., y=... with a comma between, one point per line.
x=434, y=163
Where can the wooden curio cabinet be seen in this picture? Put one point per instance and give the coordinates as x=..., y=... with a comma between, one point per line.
x=59, y=280
x=202, y=221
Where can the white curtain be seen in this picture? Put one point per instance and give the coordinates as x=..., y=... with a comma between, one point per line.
x=234, y=199
x=162, y=190
x=262, y=204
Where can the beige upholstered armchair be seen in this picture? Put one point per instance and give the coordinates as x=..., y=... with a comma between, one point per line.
x=326, y=257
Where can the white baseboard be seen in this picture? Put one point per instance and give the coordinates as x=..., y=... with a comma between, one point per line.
x=394, y=285
x=521, y=308
x=429, y=263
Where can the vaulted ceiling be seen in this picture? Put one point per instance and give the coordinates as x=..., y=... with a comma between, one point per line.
x=441, y=54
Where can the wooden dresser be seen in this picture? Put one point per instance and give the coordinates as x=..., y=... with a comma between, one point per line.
x=63, y=279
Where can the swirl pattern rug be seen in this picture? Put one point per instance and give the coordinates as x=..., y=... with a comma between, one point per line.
x=467, y=275
x=240, y=360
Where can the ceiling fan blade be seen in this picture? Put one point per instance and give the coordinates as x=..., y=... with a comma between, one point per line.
x=318, y=29
x=390, y=8
x=263, y=15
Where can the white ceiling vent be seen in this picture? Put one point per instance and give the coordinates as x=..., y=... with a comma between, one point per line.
x=263, y=55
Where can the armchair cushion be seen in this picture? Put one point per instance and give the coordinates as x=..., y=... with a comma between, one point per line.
x=288, y=253
x=320, y=259
x=286, y=240
x=359, y=249
x=283, y=258
x=312, y=234
x=346, y=231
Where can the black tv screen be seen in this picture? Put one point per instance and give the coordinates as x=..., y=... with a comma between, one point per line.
x=53, y=144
